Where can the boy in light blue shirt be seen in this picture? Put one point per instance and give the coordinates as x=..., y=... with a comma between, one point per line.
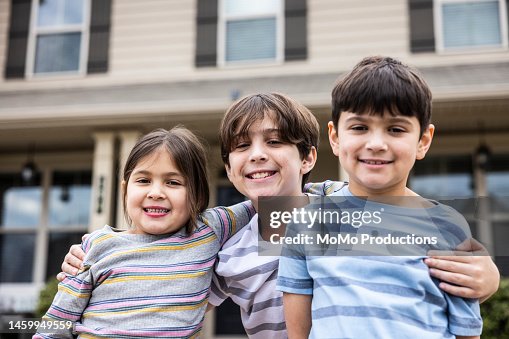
x=380, y=127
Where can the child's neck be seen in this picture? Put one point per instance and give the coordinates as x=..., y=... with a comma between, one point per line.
x=403, y=197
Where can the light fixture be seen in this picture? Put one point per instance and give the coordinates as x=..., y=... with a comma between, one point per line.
x=482, y=155
x=29, y=169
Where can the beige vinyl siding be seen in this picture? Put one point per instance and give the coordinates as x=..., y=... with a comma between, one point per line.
x=152, y=37
x=342, y=32
x=154, y=41
x=5, y=9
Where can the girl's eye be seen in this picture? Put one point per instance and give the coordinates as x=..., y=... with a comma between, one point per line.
x=142, y=181
x=174, y=183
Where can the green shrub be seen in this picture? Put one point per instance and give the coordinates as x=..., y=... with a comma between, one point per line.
x=495, y=313
x=46, y=297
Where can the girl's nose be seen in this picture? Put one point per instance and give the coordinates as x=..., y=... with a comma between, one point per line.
x=155, y=192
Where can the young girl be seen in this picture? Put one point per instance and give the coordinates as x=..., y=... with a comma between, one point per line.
x=152, y=280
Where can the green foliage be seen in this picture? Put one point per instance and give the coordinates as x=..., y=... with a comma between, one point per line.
x=495, y=313
x=46, y=297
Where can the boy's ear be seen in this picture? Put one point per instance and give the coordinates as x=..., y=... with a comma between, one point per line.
x=228, y=170
x=309, y=161
x=333, y=138
x=425, y=142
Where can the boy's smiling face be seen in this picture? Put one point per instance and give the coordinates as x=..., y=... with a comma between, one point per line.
x=378, y=152
x=261, y=164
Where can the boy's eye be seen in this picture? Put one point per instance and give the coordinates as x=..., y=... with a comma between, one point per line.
x=242, y=145
x=396, y=130
x=274, y=142
x=359, y=128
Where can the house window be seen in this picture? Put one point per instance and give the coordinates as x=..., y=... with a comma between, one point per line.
x=58, y=37
x=250, y=31
x=467, y=24
x=54, y=215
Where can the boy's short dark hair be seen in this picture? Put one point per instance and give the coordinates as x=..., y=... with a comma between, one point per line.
x=382, y=84
x=296, y=124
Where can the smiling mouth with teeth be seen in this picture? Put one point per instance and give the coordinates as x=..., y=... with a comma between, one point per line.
x=376, y=162
x=260, y=175
x=156, y=210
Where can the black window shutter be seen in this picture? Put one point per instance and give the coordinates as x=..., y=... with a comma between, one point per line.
x=422, y=32
x=507, y=10
x=206, y=33
x=18, y=39
x=99, y=36
x=295, y=30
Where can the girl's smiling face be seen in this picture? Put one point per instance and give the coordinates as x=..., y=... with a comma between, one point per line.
x=156, y=199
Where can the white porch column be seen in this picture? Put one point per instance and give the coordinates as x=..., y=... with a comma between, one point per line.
x=103, y=177
x=127, y=141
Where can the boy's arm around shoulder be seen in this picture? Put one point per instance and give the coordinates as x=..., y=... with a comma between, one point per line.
x=227, y=220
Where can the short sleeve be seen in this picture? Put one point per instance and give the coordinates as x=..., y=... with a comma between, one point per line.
x=293, y=275
x=225, y=221
x=464, y=316
x=218, y=292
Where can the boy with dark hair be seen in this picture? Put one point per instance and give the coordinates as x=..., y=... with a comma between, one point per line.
x=381, y=125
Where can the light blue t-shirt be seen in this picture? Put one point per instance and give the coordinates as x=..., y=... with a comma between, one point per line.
x=382, y=296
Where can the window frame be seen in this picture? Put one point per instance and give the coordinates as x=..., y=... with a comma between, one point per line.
x=35, y=31
x=439, y=34
x=223, y=18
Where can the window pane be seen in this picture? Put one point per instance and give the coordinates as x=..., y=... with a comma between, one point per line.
x=246, y=7
x=471, y=24
x=448, y=176
x=57, y=52
x=443, y=185
x=70, y=199
x=58, y=247
x=20, y=205
x=16, y=257
x=228, y=320
x=497, y=181
x=251, y=39
x=60, y=12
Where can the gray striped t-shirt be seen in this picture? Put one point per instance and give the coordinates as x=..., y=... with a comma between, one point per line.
x=250, y=280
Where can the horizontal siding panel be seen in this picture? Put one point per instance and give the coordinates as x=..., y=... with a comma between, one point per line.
x=152, y=36
x=153, y=62
x=154, y=16
x=4, y=33
x=176, y=5
x=156, y=45
x=156, y=52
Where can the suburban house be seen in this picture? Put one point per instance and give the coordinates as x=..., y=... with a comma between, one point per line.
x=81, y=80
